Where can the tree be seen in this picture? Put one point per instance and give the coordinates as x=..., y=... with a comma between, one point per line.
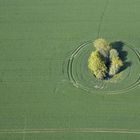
x=105, y=61
x=116, y=62
x=113, y=53
x=97, y=65
x=102, y=46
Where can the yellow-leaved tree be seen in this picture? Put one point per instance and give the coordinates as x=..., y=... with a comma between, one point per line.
x=116, y=62
x=102, y=46
x=97, y=65
x=104, y=62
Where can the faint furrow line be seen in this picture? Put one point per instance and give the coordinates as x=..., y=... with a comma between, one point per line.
x=73, y=130
x=101, y=18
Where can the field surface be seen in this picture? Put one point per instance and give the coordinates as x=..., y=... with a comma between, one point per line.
x=39, y=95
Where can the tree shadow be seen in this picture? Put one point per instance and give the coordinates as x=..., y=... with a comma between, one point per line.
x=119, y=45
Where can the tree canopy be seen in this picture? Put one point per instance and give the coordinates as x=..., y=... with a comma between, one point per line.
x=104, y=61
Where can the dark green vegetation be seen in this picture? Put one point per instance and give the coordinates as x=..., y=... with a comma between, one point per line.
x=37, y=101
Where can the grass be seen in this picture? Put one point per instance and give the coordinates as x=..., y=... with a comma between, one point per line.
x=36, y=38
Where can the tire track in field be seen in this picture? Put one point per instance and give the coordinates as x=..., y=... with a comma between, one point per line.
x=69, y=130
x=102, y=17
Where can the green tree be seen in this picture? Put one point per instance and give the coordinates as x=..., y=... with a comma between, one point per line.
x=116, y=62
x=113, y=53
x=97, y=65
x=105, y=61
x=102, y=46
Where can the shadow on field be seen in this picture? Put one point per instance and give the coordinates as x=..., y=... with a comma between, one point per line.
x=118, y=45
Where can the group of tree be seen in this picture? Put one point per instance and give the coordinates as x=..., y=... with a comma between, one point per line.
x=104, y=62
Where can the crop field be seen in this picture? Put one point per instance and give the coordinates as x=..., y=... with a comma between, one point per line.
x=46, y=89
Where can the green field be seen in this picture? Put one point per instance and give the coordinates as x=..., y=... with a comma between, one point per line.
x=39, y=98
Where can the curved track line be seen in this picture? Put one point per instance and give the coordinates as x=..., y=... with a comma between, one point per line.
x=76, y=83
